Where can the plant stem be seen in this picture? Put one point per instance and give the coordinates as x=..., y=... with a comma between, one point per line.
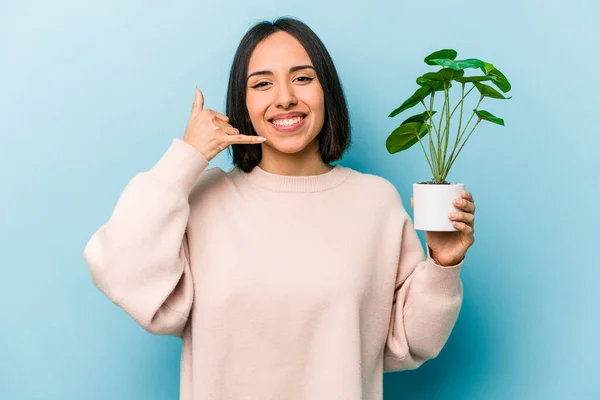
x=438, y=163
x=447, y=129
x=468, y=136
x=463, y=97
x=421, y=143
x=461, y=108
x=430, y=109
x=459, y=137
x=430, y=112
x=439, y=148
x=430, y=125
x=461, y=102
x=472, y=115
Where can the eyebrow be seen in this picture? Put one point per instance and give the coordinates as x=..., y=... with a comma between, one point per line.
x=293, y=69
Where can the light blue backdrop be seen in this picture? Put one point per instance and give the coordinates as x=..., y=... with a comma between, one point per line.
x=92, y=93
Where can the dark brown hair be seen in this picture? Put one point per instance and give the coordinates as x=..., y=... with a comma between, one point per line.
x=334, y=138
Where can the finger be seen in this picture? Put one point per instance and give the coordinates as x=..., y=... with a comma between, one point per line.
x=228, y=129
x=412, y=203
x=245, y=139
x=220, y=116
x=198, y=104
x=465, y=205
x=466, y=218
x=461, y=226
x=467, y=195
x=225, y=127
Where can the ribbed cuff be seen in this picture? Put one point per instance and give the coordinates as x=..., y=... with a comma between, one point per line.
x=180, y=166
x=443, y=280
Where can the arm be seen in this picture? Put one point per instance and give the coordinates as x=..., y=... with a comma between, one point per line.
x=426, y=304
x=140, y=258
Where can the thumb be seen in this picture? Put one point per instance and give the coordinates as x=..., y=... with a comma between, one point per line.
x=412, y=204
x=198, y=100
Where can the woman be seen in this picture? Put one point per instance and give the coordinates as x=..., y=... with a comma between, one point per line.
x=287, y=277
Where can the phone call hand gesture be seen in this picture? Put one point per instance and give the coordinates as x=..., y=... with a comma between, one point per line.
x=209, y=132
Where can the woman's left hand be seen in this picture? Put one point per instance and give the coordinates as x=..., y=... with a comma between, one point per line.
x=449, y=248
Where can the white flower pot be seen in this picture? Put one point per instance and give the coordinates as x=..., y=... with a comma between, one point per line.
x=433, y=203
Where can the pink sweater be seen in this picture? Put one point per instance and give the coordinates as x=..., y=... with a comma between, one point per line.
x=282, y=287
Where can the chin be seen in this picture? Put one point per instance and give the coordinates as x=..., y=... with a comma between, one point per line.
x=289, y=145
x=288, y=148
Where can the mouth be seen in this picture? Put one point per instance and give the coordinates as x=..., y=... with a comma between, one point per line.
x=288, y=124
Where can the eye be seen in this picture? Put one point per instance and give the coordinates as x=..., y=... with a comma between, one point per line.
x=305, y=78
x=259, y=85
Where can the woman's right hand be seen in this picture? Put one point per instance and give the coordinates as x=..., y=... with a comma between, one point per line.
x=209, y=131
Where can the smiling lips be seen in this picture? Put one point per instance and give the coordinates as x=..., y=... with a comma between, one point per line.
x=288, y=124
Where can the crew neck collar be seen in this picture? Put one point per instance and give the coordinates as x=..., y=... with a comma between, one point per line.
x=296, y=184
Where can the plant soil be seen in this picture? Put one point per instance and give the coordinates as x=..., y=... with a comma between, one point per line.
x=434, y=183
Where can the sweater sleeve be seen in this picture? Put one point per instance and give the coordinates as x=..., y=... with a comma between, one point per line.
x=140, y=258
x=427, y=300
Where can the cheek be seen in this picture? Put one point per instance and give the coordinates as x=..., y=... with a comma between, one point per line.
x=319, y=109
x=250, y=105
x=319, y=102
x=256, y=106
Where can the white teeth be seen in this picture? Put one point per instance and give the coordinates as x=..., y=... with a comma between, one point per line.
x=287, y=122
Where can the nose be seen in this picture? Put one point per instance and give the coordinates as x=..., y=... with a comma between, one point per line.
x=285, y=96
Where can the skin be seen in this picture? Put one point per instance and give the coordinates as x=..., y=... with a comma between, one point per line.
x=281, y=91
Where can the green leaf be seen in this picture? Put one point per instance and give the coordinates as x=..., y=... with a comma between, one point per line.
x=424, y=116
x=482, y=114
x=460, y=64
x=501, y=82
x=405, y=136
x=444, y=74
x=421, y=81
x=413, y=100
x=435, y=86
x=465, y=79
x=488, y=91
x=445, y=53
x=487, y=67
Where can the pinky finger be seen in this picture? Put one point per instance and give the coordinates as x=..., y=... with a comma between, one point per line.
x=461, y=226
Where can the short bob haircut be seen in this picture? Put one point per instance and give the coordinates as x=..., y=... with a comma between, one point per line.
x=333, y=139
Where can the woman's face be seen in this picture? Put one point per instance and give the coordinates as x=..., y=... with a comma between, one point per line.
x=284, y=97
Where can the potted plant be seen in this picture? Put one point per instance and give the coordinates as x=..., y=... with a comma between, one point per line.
x=433, y=199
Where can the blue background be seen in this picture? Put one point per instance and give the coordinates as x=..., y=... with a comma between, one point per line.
x=92, y=93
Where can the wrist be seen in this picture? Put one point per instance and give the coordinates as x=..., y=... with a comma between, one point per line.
x=443, y=262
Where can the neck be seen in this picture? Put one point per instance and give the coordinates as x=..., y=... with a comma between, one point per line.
x=303, y=163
